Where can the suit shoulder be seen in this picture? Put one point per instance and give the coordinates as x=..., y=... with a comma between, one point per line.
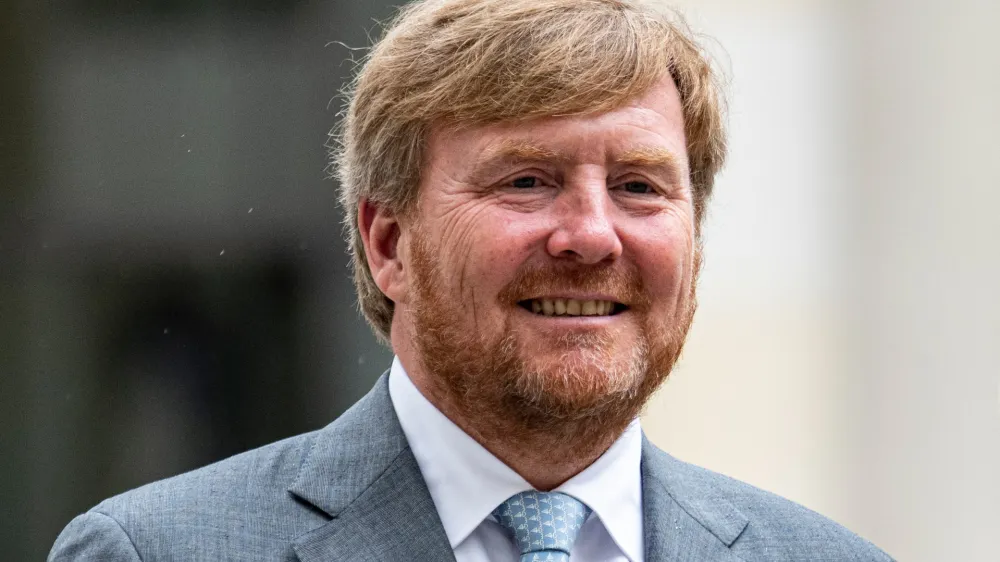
x=247, y=507
x=93, y=536
x=257, y=472
x=208, y=507
x=780, y=529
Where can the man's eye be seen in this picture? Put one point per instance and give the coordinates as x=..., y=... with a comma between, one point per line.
x=526, y=182
x=637, y=187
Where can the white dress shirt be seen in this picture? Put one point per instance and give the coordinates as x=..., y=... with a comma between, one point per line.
x=467, y=483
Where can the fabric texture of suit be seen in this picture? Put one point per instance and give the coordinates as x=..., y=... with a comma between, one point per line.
x=353, y=491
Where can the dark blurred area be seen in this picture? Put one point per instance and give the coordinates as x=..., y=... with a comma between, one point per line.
x=174, y=287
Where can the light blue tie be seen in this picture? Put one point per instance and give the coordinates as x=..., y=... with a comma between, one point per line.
x=544, y=524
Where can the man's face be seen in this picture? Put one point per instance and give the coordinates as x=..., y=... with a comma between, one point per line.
x=551, y=263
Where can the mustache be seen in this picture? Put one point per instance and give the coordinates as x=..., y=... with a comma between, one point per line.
x=620, y=281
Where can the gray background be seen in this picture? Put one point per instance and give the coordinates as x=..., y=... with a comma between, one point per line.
x=150, y=322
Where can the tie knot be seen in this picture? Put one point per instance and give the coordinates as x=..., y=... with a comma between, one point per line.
x=543, y=523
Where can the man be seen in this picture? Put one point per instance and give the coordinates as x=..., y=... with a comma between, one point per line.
x=525, y=182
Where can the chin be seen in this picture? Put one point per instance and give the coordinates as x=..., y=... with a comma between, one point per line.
x=580, y=377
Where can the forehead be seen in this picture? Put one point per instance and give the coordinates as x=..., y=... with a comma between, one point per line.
x=650, y=126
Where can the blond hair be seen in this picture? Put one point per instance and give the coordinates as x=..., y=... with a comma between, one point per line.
x=486, y=61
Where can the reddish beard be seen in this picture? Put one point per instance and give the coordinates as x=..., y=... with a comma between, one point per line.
x=489, y=383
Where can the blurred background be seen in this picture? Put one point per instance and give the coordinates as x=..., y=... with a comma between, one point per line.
x=174, y=287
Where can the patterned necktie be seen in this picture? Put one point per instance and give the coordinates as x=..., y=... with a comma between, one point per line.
x=544, y=524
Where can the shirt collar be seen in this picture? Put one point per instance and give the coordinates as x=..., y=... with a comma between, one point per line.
x=612, y=487
x=467, y=482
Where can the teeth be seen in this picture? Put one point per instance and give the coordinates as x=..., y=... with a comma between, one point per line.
x=560, y=307
x=571, y=307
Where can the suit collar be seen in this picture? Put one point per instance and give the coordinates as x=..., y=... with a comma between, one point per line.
x=686, y=517
x=361, y=472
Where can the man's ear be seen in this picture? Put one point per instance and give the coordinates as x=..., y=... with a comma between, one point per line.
x=380, y=234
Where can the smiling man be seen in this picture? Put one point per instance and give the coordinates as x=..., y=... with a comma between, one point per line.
x=525, y=182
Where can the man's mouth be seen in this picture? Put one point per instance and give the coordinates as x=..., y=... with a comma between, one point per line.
x=572, y=307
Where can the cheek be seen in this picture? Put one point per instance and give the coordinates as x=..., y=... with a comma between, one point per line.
x=666, y=263
x=482, y=256
x=506, y=237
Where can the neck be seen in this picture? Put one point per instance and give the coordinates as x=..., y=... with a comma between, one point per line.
x=544, y=453
x=544, y=460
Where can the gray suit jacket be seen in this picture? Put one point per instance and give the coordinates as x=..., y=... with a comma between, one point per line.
x=353, y=491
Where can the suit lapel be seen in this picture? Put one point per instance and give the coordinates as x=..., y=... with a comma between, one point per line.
x=394, y=519
x=362, y=473
x=685, y=518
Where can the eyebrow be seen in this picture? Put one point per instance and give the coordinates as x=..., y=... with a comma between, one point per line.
x=501, y=155
x=522, y=150
x=651, y=157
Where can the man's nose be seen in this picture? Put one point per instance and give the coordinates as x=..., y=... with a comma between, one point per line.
x=585, y=227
